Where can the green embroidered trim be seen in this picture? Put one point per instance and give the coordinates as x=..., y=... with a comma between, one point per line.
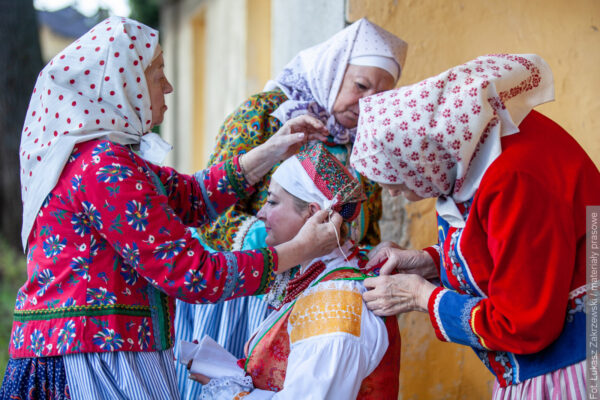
x=81, y=311
x=356, y=278
x=236, y=179
x=268, y=275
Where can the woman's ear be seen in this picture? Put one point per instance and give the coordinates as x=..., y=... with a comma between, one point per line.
x=313, y=208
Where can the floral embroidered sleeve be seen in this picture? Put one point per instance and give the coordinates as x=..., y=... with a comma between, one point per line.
x=218, y=191
x=146, y=228
x=247, y=127
x=521, y=309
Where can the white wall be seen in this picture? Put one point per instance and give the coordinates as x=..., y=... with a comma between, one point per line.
x=298, y=24
x=295, y=25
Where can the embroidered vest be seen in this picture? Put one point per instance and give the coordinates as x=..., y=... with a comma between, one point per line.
x=267, y=362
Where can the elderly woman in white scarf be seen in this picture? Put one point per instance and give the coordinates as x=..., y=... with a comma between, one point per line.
x=512, y=189
x=106, y=229
x=325, y=81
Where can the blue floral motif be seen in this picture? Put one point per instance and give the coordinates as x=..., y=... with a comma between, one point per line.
x=18, y=337
x=95, y=246
x=137, y=215
x=103, y=147
x=76, y=182
x=144, y=334
x=85, y=220
x=169, y=249
x=53, y=246
x=81, y=266
x=107, y=339
x=37, y=342
x=66, y=336
x=69, y=302
x=21, y=297
x=131, y=255
x=113, y=173
x=129, y=274
x=100, y=297
x=223, y=185
x=194, y=281
x=45, y=278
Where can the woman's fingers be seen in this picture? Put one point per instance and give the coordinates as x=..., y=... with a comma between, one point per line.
x=203, y=379
x=306, y=123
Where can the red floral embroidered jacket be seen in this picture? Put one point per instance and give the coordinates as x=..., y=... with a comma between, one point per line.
x=110, y=250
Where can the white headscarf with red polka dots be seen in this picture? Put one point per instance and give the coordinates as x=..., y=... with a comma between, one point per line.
x=440, y=135
x=94, y=88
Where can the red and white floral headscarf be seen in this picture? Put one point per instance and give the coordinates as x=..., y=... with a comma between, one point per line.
x=94, y=88
x=439, y=136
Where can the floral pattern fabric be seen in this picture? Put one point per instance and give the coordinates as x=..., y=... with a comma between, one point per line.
x=249, y=126
x=110, y=250
x=40, y=378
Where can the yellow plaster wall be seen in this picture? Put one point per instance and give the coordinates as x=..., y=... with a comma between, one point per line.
x=198, y=53
x=445, y=33
x=258, y=47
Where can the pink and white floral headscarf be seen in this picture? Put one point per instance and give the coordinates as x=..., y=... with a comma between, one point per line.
x=439, y=136
x=94, y=88
x=312, y=79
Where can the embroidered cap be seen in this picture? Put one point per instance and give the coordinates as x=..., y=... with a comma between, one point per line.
x=316, y=175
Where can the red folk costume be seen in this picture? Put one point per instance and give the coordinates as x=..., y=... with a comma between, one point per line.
x=105, y=231
x=512, y=190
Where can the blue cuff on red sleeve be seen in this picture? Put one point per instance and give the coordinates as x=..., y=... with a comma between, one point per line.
x=450, y=313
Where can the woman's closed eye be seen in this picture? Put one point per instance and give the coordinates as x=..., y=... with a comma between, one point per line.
x=361, y=86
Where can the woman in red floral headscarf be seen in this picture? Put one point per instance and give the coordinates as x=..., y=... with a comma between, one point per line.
x=512, y=189
x=105, y=228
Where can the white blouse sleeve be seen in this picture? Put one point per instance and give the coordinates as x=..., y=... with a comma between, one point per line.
x=335, y=343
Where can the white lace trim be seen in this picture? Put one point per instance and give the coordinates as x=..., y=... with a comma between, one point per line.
x=240, y=235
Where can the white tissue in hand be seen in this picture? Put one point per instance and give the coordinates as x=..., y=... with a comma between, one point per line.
x=209, y=358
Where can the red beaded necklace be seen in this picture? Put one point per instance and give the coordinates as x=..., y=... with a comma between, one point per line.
x=300, y=283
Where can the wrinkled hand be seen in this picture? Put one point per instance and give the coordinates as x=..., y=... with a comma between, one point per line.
x=318, y=237
x=383, y=245
x=295, y=133
x=397, y=294
x=406, y=261
x=287, y=141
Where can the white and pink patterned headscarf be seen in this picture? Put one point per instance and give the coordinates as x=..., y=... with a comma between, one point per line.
x=312, y=79
x=95, y=88
x=440, y=135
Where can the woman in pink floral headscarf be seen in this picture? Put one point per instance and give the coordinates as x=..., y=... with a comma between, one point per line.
x=105, y=228
x=512, y=189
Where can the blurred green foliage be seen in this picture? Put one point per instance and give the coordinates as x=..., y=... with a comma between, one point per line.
x=13, y=272
x=145, y=11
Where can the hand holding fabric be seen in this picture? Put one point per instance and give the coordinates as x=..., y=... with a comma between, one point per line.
x=405, y=261
x=319, y=236
x=294, y=134
x=396, y=294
